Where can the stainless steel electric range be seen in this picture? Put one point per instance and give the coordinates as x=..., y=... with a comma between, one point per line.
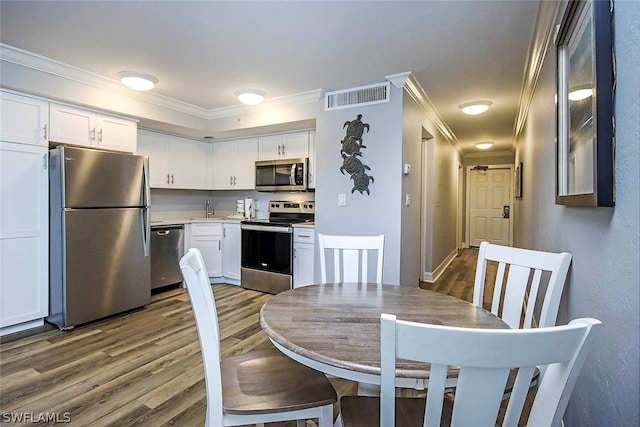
x=267, y=246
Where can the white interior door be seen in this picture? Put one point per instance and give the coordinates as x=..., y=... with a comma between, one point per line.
x=490, y=206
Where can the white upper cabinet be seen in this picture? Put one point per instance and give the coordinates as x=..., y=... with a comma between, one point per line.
x=155, y=146
x=115, y=133
x=23, y=120
x=188, y=163
x=174, y=162
x=311, y=177
x=76, y=126
x=284, y=146
x=233, y=164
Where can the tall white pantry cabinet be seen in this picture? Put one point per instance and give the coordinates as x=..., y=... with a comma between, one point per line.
x=24, y=207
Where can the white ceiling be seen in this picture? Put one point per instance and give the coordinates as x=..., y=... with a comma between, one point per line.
x=203, y=51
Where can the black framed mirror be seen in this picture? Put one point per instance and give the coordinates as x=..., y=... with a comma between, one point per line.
x=585, y=161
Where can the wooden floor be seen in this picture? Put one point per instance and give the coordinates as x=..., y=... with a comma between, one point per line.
x=144, y=367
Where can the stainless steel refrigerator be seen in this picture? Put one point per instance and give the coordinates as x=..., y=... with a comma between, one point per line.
x=99, y=234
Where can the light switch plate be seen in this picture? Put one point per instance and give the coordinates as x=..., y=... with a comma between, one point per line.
x=342, y=200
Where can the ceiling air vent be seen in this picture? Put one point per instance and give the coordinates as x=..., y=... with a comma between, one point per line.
x=356, y=97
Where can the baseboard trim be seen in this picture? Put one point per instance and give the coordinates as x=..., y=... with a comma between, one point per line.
x=431, y=277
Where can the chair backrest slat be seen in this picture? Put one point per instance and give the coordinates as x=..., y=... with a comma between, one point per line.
x=518, y=282
x=350, y=257
x=485, y=358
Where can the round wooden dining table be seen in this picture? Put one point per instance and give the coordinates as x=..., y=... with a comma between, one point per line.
x=335, y=328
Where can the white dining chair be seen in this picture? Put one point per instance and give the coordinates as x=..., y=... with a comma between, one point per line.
x=350, y=257
x=485, y=358
x=517, y=284
x=255, y=387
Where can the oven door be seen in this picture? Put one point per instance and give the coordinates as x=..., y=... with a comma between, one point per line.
x=267, y=258
x=267, y=248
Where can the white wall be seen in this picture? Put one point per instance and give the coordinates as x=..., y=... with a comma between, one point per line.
x=604, y=278
x=434, y=176
x=378, y=212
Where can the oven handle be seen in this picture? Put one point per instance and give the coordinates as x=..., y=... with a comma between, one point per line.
x=274, y=229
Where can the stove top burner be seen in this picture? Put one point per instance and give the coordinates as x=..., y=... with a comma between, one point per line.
x=287, y=213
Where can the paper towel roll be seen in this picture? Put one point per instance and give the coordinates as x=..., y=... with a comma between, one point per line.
x=248, y=208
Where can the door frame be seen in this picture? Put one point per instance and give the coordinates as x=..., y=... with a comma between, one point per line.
x=468, y=201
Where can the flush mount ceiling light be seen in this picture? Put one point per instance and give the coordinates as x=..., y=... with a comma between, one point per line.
x=137, y=81
x=484, y=145
x=250, y=96
x=581, y=92
x=476, y=107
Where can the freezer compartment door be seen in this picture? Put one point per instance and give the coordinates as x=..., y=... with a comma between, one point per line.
x=105, y=270
x=97, y=179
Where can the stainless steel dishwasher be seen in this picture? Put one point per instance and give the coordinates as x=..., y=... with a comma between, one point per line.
x=167, y=247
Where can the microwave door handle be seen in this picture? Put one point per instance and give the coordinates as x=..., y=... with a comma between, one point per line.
x=292, y=177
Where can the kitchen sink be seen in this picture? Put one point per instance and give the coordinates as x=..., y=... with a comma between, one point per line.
x=212, y=218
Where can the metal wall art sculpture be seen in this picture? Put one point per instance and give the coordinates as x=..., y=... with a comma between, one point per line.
x=351, y=149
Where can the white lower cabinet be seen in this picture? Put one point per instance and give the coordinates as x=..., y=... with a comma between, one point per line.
x=207, y=236
x=303, y=256
x=231, y=250
x=24, y=236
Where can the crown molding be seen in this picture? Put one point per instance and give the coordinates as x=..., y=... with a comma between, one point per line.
x=310, y=97
x=541, y=40
x=399, y=80
x=49, y=66
x=52, y=67
x=488, y=153
x=416, y=91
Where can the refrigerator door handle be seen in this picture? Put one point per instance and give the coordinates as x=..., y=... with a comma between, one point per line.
x=146, y=183
x=145, y=213
x=146, y=219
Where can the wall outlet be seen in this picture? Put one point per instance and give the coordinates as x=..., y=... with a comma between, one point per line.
x=407, y=199
x=342, y=200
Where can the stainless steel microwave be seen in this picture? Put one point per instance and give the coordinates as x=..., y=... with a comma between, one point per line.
x=282, y=175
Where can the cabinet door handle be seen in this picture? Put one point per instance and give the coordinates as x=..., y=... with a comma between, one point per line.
x=100, y=135
x=283, y=146
x=172, y=178
x=93, y=134
x=45, y=133
x=45, y=158
x=306, y=236
x=279, y=149
x=230, y=180
x=234, y=180
x=168, y=181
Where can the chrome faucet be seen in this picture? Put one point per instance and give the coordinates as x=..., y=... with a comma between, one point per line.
x=208, y=213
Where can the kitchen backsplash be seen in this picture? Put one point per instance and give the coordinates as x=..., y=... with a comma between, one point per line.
x=167, y=204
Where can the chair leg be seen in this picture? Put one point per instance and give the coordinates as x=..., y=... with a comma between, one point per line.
x=326, y=416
